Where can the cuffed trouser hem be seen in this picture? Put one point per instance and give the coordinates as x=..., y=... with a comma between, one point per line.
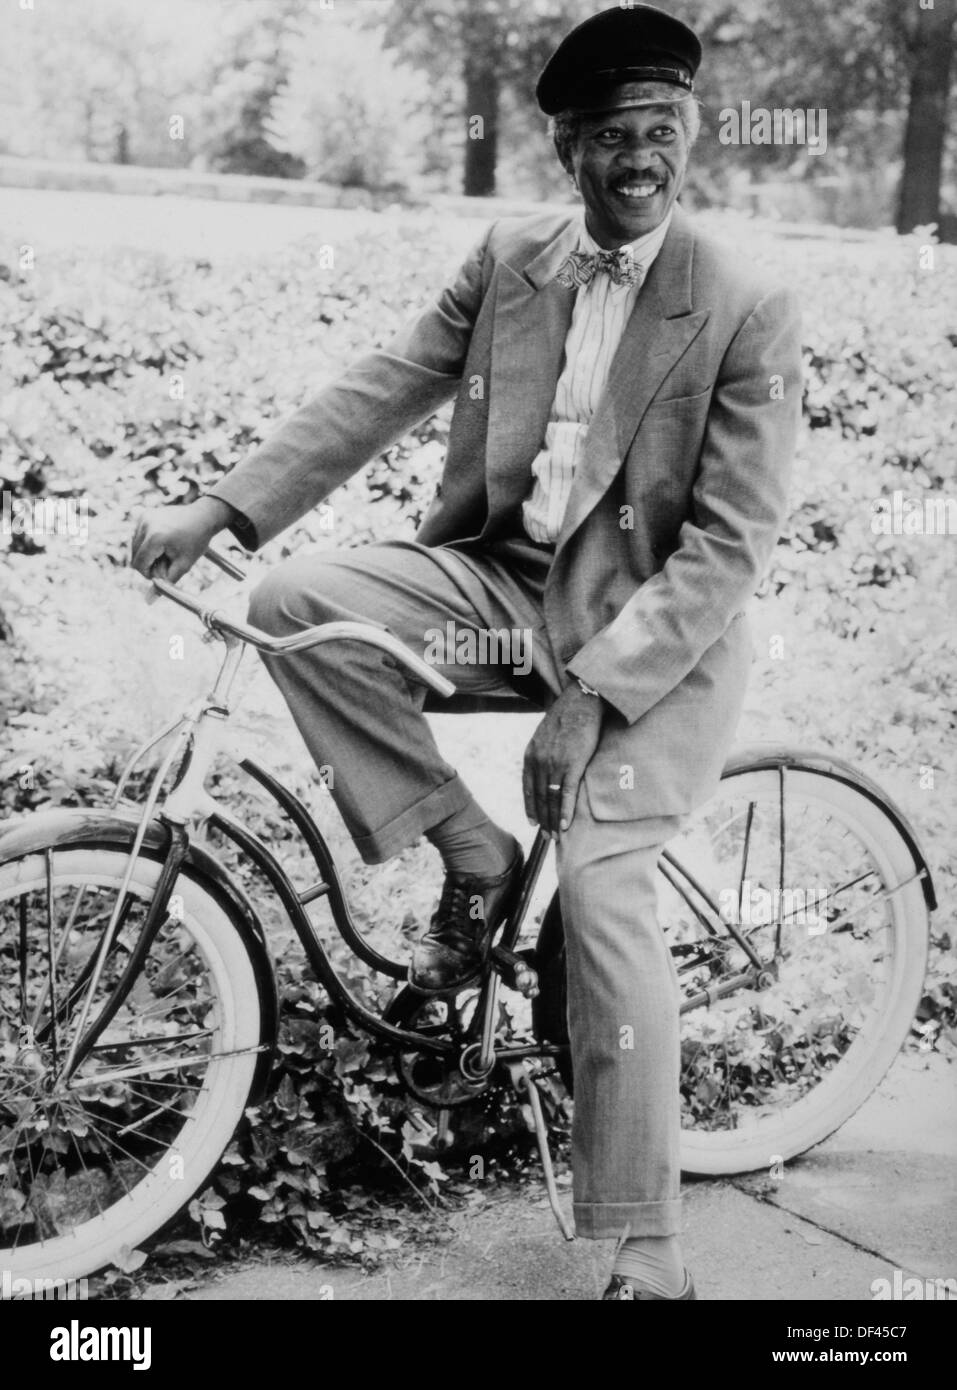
x=409, y=825
x=614, y=1220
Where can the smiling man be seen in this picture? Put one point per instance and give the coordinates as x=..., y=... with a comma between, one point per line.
x=615, y=490
x=628, y=161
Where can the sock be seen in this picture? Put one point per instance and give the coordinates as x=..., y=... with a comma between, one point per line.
x=654, y=1262
x=471, y=845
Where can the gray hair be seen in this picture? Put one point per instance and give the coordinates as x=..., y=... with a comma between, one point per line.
x=565, y=128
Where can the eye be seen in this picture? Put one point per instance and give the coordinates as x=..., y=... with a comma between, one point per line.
x=663, y=132
x=608, y=133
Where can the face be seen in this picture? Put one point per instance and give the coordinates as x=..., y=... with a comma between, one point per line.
x=629, y=166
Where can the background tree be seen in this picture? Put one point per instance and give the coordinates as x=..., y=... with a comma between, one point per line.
x=881, y=70
x=494, y=47
x=355, y=115
x=928, y=37
x=86, y=82
x=247, y=72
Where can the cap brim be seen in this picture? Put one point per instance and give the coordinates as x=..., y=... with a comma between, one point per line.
x=624, y=96
x=632, y=105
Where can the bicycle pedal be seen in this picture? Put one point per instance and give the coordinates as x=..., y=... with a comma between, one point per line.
x=516, y=971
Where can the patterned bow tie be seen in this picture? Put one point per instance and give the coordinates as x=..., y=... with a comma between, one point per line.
x=581, y=267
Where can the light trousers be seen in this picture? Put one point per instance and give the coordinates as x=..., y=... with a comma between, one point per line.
x=361, y=715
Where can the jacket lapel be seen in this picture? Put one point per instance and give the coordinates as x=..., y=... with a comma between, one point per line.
x=660, y=329
x=532, y=316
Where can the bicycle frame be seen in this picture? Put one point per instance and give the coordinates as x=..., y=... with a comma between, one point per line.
x=196, y=742
x=189, y=808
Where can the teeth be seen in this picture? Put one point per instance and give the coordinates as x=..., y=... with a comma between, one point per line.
x=638, y=190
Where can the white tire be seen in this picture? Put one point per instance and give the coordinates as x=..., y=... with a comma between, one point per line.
x=750, y=1147
x=219, y=1101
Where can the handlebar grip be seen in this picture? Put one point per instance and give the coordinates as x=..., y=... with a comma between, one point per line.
x=225, y=565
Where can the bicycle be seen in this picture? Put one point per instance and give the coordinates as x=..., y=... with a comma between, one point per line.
x=138, y=1009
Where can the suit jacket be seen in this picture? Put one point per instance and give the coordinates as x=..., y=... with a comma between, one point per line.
x=674, y=511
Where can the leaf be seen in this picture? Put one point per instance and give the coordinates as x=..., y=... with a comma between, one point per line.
x=433, y=1172
x=195, y=1249
x=129, y=1261
x=167, y=1291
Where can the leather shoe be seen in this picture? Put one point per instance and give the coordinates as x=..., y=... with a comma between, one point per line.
x=455, y=948
x=626, y=1290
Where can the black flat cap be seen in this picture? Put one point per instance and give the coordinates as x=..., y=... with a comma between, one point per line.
x=629, y=44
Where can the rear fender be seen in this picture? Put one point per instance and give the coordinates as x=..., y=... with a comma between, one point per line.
x=762, y=756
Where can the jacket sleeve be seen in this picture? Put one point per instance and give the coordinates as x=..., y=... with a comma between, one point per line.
x=738, y=509
x=369, y=406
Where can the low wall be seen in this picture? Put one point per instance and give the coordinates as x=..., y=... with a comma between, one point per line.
x=239, y=188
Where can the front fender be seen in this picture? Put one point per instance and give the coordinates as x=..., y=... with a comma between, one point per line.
x=762, y=756
x=94, y=828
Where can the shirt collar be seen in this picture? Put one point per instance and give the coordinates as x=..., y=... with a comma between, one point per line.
x=643, y=249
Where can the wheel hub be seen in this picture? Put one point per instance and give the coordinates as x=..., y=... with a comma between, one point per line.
x=28, y=1063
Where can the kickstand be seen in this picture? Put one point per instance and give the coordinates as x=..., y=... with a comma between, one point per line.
x=523, y=1080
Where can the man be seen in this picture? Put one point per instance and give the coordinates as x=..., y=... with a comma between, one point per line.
x=616, y=488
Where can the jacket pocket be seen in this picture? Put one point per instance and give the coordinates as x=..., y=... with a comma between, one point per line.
x=671, y=759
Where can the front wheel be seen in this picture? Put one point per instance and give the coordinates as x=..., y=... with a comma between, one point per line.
x=822, y=889
x=95, y=1163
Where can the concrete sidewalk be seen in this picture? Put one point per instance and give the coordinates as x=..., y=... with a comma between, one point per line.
x=880, y=1196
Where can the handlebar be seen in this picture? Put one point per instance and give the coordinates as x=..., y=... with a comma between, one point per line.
x=225, y=564
x=222, y=626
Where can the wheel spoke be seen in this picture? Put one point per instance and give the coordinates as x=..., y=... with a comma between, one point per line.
x=51, y=957
x=20, y=1127
x=81, y=981
x=90, y=1183
x=155, y=1081
x=782, y=839
x=22, y=910
x=745, y=851
x=108, y=1139
x=161, y=1040
x=165, y=1107
x=758, y=1037
x=166, y=1064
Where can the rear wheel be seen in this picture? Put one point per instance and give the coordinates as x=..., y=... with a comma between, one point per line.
x=96, y=1163
x=821, y=886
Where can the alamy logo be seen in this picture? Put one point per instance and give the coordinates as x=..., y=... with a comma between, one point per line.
x=782, y=125
x=482, y=646
x=45, y=516
x=907, y=1290
x=76, y=1343
x=13, y=1288
x=899, y=515
x=754, y=906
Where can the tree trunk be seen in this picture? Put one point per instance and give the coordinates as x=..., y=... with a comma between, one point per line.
x=932, y=49
x=481, y=115
x=122, y=145
x=88, y=151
